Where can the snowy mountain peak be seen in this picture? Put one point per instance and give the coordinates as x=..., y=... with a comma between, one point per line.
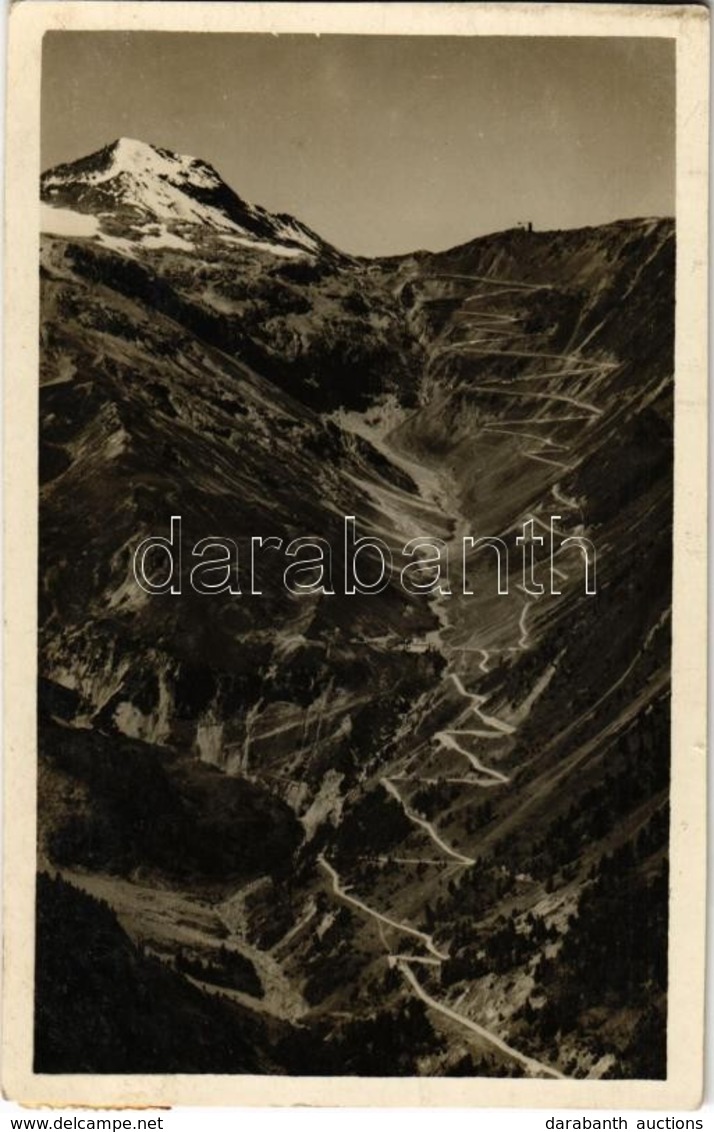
x=139, y=158
x=135, y=172
x=131, y=150
x=130, y=183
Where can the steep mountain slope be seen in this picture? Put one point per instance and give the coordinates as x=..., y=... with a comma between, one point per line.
x=560, y=703
x=433, y=825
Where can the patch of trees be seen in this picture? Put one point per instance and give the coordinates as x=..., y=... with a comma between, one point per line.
x=324, y=439
x=300, y=682
x=376, y=822
x=518, y=679
x=303, y=271
x=614, y=955
x=636, y=768
x=435, y=799
x=388, y=1044
x=330, y=970
x=270, y=910
x=498, y=948
x=476, y=892
x=618, y=944
x=395, y=687
x=484, y=1066
x=151, y=809
x=645, y=1056
x=55, y=700
x=224, y=968
x=103, y=1006
x=480, y=816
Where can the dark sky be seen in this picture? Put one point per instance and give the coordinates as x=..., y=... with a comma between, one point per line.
x=385, y=144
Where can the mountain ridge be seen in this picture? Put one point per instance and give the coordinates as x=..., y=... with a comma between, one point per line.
x=126, y=156
x=152, y=184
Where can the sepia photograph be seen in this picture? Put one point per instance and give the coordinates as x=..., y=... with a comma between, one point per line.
x=356, y=404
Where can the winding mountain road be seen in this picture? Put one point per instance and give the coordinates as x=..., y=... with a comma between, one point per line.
x=534, y=1068
x=435, y=497
x=424, y=824
x=342, y=893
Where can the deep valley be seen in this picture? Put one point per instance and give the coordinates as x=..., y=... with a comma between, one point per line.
x=372, y=834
